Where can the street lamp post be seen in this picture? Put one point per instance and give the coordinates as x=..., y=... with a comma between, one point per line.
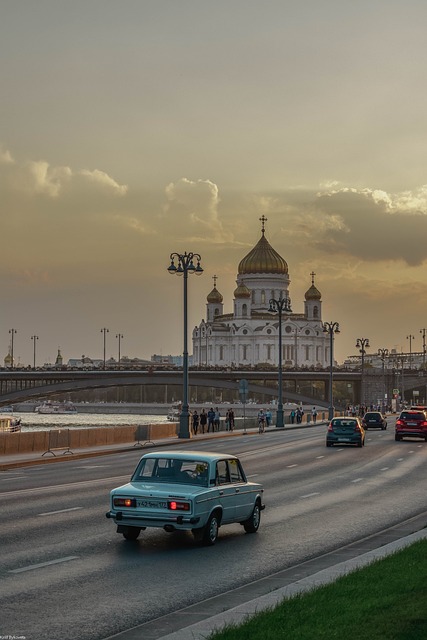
x=423, y=332
x=410, y=338
x=279, y=306
x=183, y=268
x=105, y=331
x=331, y=328
x=34, y=338
x=119, y=337
x=383, y=354
x=361, y=343
x=12, y=332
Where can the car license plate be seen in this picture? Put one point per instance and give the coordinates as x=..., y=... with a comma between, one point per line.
x=345, y=439
x=412, y=424
x=152, y=504
x=371, y=420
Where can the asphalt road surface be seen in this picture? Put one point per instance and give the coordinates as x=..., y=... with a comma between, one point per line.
x=65, y=573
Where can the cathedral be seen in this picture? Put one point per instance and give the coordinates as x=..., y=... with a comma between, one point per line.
x=249, y=336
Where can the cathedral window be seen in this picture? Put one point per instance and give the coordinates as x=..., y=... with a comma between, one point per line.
x=221, y=352
x=262, y=296
x=217, y=312
x=315, y=312
x=244, y=309
x=288, y=329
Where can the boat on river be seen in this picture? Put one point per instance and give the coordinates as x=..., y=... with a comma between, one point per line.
x=10, y=424
x=174, y=413
x=56, y=408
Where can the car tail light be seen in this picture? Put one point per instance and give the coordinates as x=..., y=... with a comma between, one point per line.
x=124, y=502
x=330, y=428
x=357, y=428
x=399, y=422
x=176, y=505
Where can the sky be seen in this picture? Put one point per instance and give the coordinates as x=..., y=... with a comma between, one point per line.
x=130, y=130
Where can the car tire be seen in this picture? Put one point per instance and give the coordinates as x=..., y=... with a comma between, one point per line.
x=397, y=438
x=132, y=533
x=210, y=531
x=329, y=444
x=251, y=525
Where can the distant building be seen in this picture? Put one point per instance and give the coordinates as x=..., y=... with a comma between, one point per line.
x=249, y=335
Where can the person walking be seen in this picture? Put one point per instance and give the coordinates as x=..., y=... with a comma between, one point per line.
x=203, y=420
x=231, y=418
x=314, y=414
x=211, y=420
x=195, y=422
x=217, y=419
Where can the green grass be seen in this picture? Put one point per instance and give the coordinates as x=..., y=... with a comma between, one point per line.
x=386, y=600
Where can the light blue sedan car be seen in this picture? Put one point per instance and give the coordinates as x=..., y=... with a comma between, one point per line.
x=186, y=490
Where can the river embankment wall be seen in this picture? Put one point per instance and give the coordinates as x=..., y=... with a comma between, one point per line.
x=40, y=441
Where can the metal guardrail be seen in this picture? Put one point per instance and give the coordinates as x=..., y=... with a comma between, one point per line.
x=59, y=440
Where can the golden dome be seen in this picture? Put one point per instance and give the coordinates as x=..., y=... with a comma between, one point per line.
x=215, y=296
x=263, y=259
x=242, y=292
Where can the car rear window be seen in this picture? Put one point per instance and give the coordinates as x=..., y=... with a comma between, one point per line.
x=412, y=415
x=370, y=416
x=344, y=423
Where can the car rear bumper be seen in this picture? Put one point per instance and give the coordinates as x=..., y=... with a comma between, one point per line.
x=414, y=433
x=141, y=520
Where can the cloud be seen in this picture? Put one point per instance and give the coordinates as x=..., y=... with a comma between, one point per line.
x=5, y=157
x=193, y=208
x=103, y=180
x=373, y=225
x=38, y=177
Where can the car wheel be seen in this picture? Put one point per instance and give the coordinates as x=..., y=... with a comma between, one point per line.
x=329, y=444
x=132, y=533
x=251, y=525
x=210, y=532
x=397, y=438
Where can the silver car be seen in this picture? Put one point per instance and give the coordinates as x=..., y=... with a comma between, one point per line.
x=186, y=490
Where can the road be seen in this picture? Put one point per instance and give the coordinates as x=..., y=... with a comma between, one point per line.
x=65, y=573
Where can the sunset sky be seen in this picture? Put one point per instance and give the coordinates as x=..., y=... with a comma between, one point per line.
x=134, y=128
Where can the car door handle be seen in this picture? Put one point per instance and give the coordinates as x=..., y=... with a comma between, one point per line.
x=221, y=493
x=237, y=490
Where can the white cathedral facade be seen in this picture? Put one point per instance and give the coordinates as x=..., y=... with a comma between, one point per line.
x=249, y=336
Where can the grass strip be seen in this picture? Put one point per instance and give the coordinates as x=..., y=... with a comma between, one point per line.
x=387, y=600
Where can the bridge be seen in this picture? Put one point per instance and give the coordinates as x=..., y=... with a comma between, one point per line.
x=298, y=385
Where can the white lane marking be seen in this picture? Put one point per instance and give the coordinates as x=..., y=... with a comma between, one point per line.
x=319, y=457
x=92, y=466
x=43, y=564
x=358, y=480
x=13, y=478
x=112, y=479
x=52, y=513
x=384, y=469
x=399, y=459
x=253, y=475
x=310, y=495
x=291, y=465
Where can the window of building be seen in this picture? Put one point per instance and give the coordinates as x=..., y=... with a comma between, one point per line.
x=244, y=309
x=262, y=296
x=316, y=312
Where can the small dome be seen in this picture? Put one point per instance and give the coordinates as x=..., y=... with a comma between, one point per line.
x=242, y=292
x=263, y=259
x=215, y=296
x=313, y=293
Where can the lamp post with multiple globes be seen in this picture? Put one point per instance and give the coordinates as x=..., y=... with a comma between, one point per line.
x=185, y=265
x=361, y=344
x=331, y=328
x=279, y=306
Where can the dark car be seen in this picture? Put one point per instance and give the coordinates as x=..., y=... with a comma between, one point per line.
x=374, y=419
x=345, y=430
x=411, y=424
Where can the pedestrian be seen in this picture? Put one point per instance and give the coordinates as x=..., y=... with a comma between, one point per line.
x=314, y=414
x=217, y=419
x=195, y=422
x=203, y=420
x=231, y=418
x=211, y=419
x=268, y=417
x=293, y=416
